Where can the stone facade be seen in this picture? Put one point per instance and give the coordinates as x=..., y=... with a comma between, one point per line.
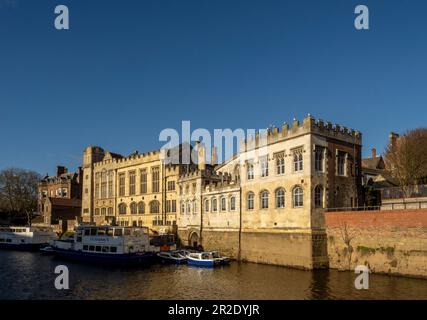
x=281, y=184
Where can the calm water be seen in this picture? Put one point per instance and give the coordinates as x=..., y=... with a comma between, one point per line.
x=31, y=276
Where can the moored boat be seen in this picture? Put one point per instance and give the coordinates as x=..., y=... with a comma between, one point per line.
x=108, y=245
x=171, y=257
x=203, y=259
x=25, y=238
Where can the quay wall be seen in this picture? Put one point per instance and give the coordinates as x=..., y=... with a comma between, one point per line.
x=391, y=242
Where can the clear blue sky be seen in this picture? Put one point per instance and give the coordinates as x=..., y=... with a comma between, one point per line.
x=127, y=69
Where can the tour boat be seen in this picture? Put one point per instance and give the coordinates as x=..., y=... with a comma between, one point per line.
x=108, y=245
x=25, y=238
x=171, y=257
x=203, y=259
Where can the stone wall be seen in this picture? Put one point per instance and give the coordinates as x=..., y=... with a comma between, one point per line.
x=392, y=242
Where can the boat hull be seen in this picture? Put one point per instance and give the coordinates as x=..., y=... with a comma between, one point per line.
x=165, y=260
x=131, y=259
x=203, y=263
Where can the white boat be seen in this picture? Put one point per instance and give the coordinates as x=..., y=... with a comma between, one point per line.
x=108, y=245
x=171, y=257
x=25, y=238
x=203, y=259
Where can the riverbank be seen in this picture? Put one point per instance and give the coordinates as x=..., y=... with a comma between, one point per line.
x=26, y=275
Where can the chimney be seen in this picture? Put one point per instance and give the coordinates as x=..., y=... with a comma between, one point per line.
x=201, y=156
x=60, y=170
x=374, y=153
x=392, y=137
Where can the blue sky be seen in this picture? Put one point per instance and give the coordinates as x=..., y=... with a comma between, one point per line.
x=128, y=69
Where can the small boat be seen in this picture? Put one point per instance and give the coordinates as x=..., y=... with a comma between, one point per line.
x=203, y=259
x=108, y=245
x=25, y=238
x=47, y=250
x=172, y=257
x=224, y=260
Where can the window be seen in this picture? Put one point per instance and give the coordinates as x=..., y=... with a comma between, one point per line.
x=171, y=185
x=250, y=171
x=251, y=199
x=188, y=207
x=121, y=184
x=223, y=204
x=264, y=166
x=298, y=161
x=96, y=189
x=122, y=208
x=194, y=206
x=264, y=200
x=133, y=208
x=154, y=206
x=318, y=197
x=182, y=207
x=155, y=176
x=280, y=165
x=214, y=205
x=206, y=205
x=280, y=198
x=103, y=184
x=173, y=205
x=97, y=211
x=298, y=197
x=110, y=184
x=103, y=211
x=143, y=181
x=141, y=207
x=341, y=161
x=132, y=183
x=110, y=211
x=232, y=203
x=318, y=159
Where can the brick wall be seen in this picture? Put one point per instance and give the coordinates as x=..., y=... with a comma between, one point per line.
x=393, y=242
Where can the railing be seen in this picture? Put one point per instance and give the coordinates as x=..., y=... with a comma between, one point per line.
x=395, y=205
x=417, y=191
x=364, y=208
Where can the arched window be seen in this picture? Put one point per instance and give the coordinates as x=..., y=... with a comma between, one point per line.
x=223, y=204
x=206, y=205
x=250, y=171
x=298, y=197
x=154, y=206
x=232, y=203
x=133, y=208
x=182, y=207
x=141, y=207
x=122, y=208
x=264, y=199
x=298, y=161
x=251, y=200
x=214, y=205
x=318, y=197
x=280, y=198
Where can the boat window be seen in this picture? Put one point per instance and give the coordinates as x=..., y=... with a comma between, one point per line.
x=85, y=247
x=79, y=239
x=127, y=232
x=113, y=249
x=8, y=240
x=91, y=248
x=118, y=232
x=101, y=232
x=93, y=232
x=110, y=232
x=98, y=248
x=215, y=254
x=87, y=232
x=105, y=249
x=1, y=240
x=205, y=256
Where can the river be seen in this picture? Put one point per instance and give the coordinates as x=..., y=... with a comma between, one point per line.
x=25, y=275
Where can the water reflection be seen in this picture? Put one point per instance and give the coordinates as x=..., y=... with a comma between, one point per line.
x=31, y=276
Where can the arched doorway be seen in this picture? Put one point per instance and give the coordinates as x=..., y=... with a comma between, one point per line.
x=193, y=240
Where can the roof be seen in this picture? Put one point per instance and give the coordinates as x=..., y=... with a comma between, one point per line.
x=64, y=202
x=373, y=163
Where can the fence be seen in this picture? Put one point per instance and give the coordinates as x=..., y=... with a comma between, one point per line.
x=417, y=191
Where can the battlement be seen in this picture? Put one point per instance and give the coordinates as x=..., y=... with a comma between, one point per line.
x=129, y=160
x=309, y=125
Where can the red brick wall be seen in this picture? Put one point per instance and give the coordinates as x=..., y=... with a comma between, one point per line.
x=386, y=219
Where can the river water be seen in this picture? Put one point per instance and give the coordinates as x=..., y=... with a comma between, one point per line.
x=25, y=275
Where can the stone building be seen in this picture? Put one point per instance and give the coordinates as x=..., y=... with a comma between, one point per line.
x=137, y=190
x=60, y=197
x=267, y=203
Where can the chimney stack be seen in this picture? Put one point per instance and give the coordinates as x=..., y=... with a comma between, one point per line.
x=392, y=139
x=60, y=170
x=374, y=153
x=214, y=160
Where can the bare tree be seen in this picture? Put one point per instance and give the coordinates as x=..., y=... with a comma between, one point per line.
x=406, y=159
x=18, y=191
x=347, y=237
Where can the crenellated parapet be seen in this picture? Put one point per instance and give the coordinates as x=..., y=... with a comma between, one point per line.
x=308, y=125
